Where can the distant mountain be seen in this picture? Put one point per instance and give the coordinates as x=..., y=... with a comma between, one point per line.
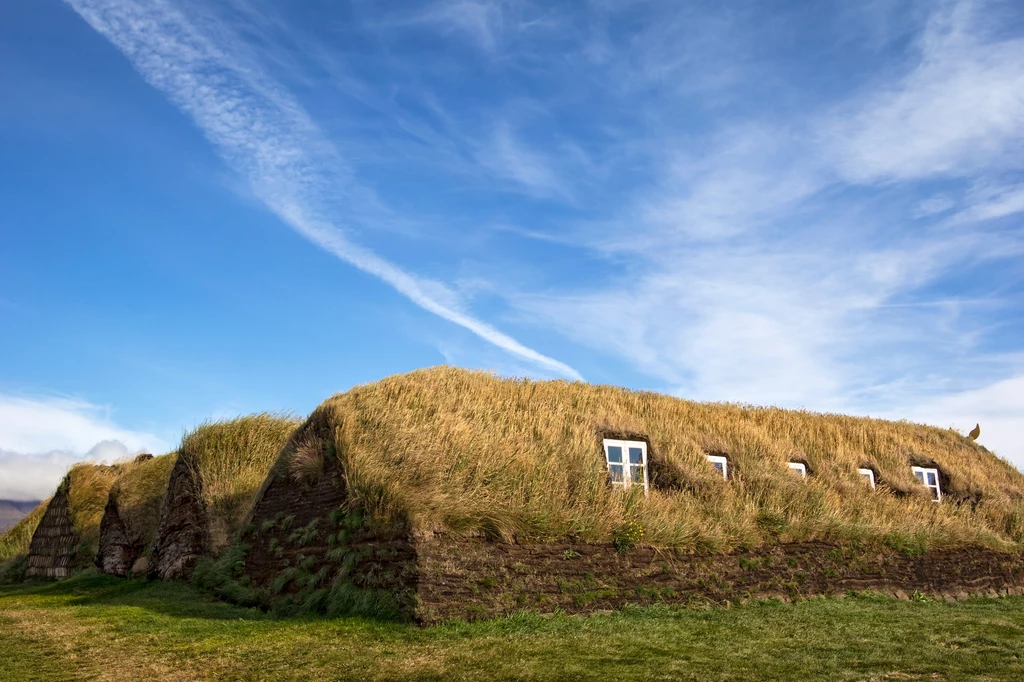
x=11, y=512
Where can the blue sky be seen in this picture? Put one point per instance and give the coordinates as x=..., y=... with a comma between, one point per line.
x=214, y=208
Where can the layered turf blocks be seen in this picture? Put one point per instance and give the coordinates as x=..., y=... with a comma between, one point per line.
x=446, y=493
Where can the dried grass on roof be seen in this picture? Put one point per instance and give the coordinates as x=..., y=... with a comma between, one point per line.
x=16, y=539
x=471, y=453
x=139, y=491
x=231, y=458
x=88, y=486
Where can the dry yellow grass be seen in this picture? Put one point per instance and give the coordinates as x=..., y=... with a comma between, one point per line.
x=468, y=452
x=231, y=458
x=88, y=488
x=139, y=491
x=16, y=539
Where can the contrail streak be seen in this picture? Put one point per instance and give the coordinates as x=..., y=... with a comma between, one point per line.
x=265, y=134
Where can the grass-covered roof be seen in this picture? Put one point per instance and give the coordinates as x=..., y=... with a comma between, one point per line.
x=87, y=486
x=139, y=491
x=471, y=453
x=15, y=540
x=231, y=459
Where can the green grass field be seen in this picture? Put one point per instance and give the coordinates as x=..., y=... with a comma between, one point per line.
x=98, y=627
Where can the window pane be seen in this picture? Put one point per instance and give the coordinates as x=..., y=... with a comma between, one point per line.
x=920, y=475
x=615, y=454
x=931, y=478
x=615, y=470
x=636, y=456
x=719, y=466
x=637, y=473
x=935, y=492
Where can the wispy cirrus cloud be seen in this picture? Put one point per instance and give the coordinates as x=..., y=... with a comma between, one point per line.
x=729, y=217
x=266, y=135
x=958, y=110
x=808, y=260
x=524, y=165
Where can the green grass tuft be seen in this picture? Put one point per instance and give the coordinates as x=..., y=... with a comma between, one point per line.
x=94, y=627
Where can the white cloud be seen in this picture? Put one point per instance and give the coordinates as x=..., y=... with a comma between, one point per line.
x=480, y=21
x=32, y=477
x=508, y=158
x=41, y=425
x=760, y=268
x=750, y=175
x=490, y=25
x=988, y=203
x=959, y=110
x=938, y=203
x=41, y=438
x=266, y=135
x=752, y=258
x=729, y=325
x=997, y=407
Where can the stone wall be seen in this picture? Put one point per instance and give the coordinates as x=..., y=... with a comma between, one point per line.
x=305, y=543
x=474, y=578
x=183, y=535
x=54, y=546
x=117, y=554
x=283, y=507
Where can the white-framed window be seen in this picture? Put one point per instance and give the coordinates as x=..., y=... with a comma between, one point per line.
x=721, y=464
x=800, y=468
x=930, y=479
x=868, y=475
x=627, y=462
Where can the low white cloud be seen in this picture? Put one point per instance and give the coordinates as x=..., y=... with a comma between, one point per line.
x=41, y=425
x=41, y=438
x=32, y=477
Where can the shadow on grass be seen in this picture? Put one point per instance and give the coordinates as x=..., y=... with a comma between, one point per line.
x=92, y=588
x=178, y=600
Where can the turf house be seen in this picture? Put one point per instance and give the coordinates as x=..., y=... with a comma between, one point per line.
x=447, y=493
x=130, y=519
x=15, y=540
x=451, y=493
x=67, y=533
x=149, y=515
x=165, y=513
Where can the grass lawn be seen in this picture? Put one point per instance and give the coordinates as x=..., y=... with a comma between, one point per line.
x=98, y=627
